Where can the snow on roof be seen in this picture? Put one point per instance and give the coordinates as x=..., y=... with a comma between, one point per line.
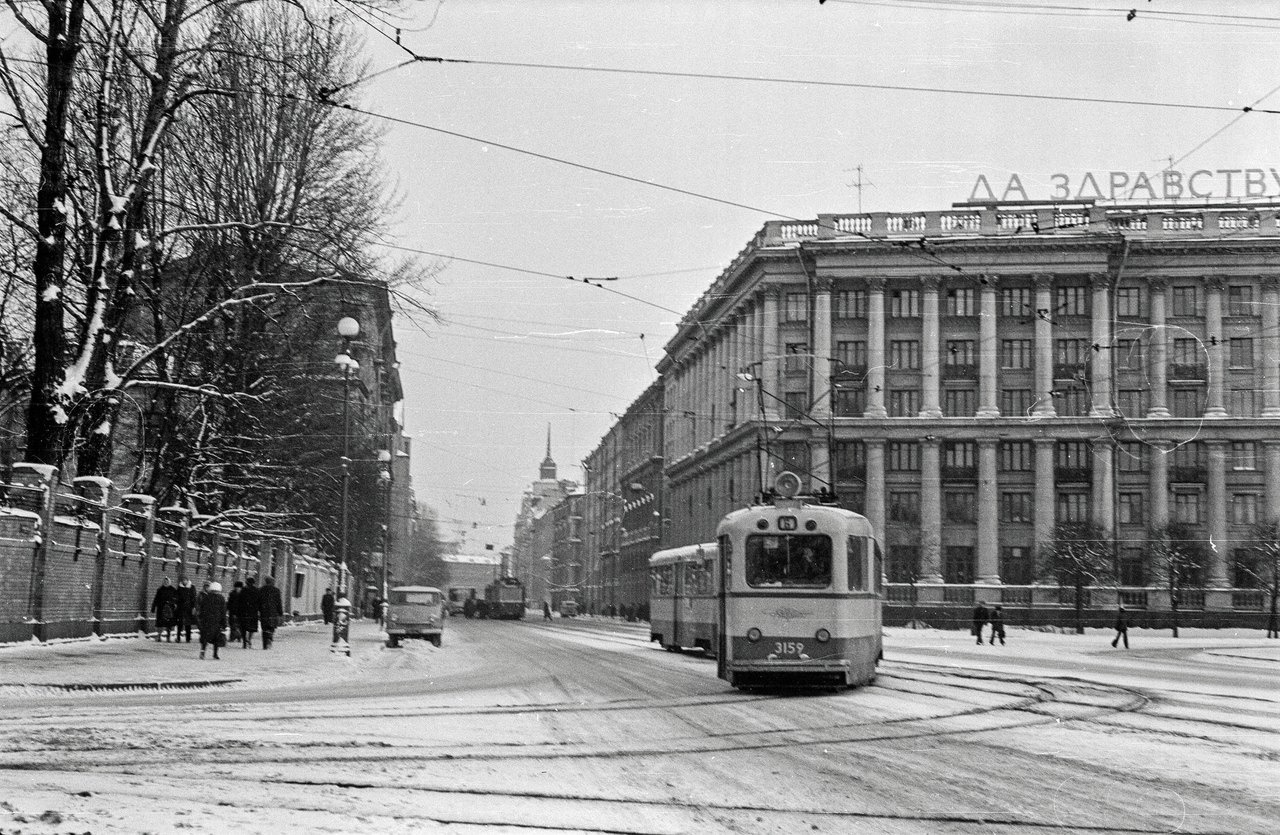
x=493, y=558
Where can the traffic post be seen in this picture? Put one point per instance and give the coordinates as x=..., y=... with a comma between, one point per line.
x=341, y=627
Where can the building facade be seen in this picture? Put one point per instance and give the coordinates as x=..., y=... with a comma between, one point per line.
x=971, y=378
x=532, y=543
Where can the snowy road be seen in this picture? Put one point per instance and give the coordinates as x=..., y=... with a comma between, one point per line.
x=583, y=726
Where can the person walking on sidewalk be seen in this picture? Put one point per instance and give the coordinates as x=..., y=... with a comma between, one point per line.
x=546, y=610
x=980, y=617
x=270, y=610
x=326, y=605
x=247, y=612
x=233, y=610
x=186, y=608
x=165, y=606
x=997, y=625
x=1122, y=628
x=211, y=619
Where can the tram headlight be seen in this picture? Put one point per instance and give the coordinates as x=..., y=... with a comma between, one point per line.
x=762, y=523
x=822, y=635
x=753, y=634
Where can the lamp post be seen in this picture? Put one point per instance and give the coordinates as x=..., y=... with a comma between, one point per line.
x=348, y=329
x=385, y=478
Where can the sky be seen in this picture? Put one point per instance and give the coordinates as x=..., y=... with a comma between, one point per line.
x=520, y=347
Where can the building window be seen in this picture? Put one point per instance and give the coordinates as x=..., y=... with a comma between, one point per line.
x=851, y=459
x=1072, y=351
x=1240, y=300
x=851, y=304
x=852, y=354
x=960, y=454
x=959, y=402
x=1242, y=353
x=795, y=456
x=904, y=506
x=903, y=456
x=1244, y=403
x=1244, y=455
x=961, y=302
x=958, y=564
x=1016, y=507
x=1186, y=301
x=961, y=352
x=1244, y=508
x=850, y=401
x=1190, y=455
x=1071, y=301
x=1187, y=352
x=1016, y=301
x=1017, y=456
x=1073, y=454
x=1186, y=508
x=1073, y=401
x=904, y=403
x=1128, y=301
x=1132, y=569
x=1015, y=402
x=1132, y=402
x=1129, y=509
x=1073, y=507
x=1186, y=403
x=904, y=303
x=1015, y=565
x=795, y=307
x=904, y=353
x=797, y=360
x=1131, y=457
x=960, y=506
x=1015, y=353
x=1128, y=355
x=902, y=563
x=795, y=403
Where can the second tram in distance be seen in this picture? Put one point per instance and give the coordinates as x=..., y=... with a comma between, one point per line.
x=795, y=596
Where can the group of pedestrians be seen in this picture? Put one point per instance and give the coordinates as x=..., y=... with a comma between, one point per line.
x=246, y=609
x=982, y=616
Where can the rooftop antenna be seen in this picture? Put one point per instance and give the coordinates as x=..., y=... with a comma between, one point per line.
x=859, y=184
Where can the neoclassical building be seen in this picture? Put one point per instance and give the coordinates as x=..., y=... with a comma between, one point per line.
x=970, y=378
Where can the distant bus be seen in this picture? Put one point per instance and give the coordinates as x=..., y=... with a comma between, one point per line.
x=504, y=599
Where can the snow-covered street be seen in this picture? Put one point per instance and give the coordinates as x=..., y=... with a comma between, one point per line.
x=584, y=726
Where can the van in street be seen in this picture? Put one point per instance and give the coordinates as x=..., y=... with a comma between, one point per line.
x=415, y=612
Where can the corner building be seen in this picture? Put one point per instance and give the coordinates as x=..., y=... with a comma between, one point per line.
x=969, y=378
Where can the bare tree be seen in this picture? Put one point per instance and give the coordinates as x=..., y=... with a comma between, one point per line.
x=1080, y=555
x=1178, y=557
x=1264, y=568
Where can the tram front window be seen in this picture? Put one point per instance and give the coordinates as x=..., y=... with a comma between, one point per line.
x=789, y=560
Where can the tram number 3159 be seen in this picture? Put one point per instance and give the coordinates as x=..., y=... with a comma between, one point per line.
x=788, y=647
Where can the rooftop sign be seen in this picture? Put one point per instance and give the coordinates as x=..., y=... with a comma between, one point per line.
x=1165, y=185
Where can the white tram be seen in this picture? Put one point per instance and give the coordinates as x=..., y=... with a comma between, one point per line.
x=800, y=594
x=684, y=598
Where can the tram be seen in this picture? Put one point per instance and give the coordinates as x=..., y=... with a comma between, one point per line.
x=800, y=594
x=504, y=599
x=684, y=598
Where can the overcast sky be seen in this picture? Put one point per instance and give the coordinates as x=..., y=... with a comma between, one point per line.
x=517, y=351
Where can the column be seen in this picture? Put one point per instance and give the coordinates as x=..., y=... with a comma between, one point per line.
x=874, y=500
x=1271, y=474
x=988, y=349
x=930, y=352
x=930, y=511
x=1158, y=359
x=1270, y=345
x=1045, y=510
x=1100, y=333
x=1216, y=576
x=820, y=336
x=1104, y=506
x=1158, y=487
x=719, y=378
x=988, y=513
x=769, y=349
x=875, y=349
x=1044, y=347
x=1215, y=405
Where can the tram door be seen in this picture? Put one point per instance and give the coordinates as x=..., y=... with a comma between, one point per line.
x=677, y=592
x=723, y=568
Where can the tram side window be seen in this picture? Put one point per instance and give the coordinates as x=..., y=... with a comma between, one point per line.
x=709, y=571
x=856, y=551
x=662, y=580
x=696, y=578
x=878, y=567
x=797, y=561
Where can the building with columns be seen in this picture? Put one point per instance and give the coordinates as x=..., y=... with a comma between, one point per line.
x=970, y=378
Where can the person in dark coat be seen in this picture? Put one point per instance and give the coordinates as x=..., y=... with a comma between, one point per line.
x=186, y=609
x=165, y=606
x=997, y=624
x=980, y=618
x=270, y=610
x=326, y=605
x=546, y=610
x=1122, y=628
x=233, y=609
x=247, y=612
x=211, y=618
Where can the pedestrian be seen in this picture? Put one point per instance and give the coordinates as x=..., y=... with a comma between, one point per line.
x=211, y=619
x=165, y=605
x=980, y=618
x=186, y=608
x=233, y=609
x=1273, y=628
x=1122, y=628
x=997, y=624
x=546, y=610
x=270, y=610
x=326, y=605
x=469, y=607
x=247, y=612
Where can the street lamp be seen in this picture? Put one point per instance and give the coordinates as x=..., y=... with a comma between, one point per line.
x=348, y=329
x=385, y=477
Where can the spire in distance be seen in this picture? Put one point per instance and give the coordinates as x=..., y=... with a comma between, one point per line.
x=547, y=471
